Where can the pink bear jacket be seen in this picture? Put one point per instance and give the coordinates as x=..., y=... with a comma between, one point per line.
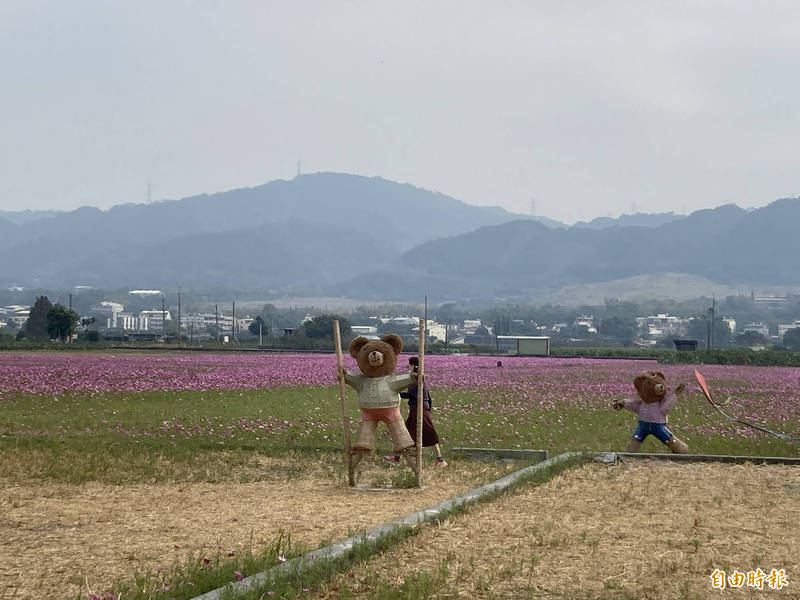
x=652, y=412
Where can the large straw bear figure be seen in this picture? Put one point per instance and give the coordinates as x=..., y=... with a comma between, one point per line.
x=651, y=407
x=379, y=394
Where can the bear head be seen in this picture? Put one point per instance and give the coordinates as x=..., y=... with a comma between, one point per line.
x=651, y=386
x=376, y=358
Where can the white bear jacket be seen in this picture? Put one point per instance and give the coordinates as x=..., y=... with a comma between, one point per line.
x=378, y=392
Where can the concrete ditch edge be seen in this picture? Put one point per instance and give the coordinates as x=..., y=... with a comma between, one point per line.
x=373, y=535
x=723, y=458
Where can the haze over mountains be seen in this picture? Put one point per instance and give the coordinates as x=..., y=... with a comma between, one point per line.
x=348, y=235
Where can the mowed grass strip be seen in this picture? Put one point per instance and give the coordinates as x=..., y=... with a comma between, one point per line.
x=639, y=530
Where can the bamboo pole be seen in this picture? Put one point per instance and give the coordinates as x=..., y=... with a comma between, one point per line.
x=420, y=396
x=348, y=456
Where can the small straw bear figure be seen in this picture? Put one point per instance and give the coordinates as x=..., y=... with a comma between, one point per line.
x=379, y=394
x=651, y=407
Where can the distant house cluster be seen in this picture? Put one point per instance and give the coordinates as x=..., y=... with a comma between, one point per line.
x=14, y=316
x=507, y=334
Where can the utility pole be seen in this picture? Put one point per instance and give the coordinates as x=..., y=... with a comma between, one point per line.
x=216, y=316
x=163, y=320
x=233, y=327
x=260, y=335
x=713, y=314
x=179, y=316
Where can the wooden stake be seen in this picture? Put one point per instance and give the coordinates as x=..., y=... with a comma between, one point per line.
x=420, y=395
x=348, y=456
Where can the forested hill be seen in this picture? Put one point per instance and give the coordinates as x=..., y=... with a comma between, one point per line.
x=523, y=258
x=283, y=234
x=348, y=235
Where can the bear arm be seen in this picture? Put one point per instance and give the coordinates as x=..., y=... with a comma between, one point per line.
x=632, y=405
x=668, y=402
x=400, y=382
x=352, y=379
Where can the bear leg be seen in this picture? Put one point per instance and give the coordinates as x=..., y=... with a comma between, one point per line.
x=677, y=446
x=401, y=439
x=633, y=445
x=366, y=436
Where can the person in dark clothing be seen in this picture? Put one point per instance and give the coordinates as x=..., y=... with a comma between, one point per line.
x=429, y=435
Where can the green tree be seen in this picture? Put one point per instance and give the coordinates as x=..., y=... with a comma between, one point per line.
x=258, y=326
x=321, y=326
x=620, y=328
x=699, y=329
x=750, y=338
x=791, y=339
x=61, y=322
x=36, y=326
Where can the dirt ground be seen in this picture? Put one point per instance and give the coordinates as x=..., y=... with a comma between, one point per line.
x=55, y=539
x=638, y=530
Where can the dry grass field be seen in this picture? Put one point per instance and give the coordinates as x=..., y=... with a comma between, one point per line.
x=61, y=540
x=638, y=530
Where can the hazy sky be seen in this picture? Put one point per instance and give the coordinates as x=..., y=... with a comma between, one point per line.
x=592, y=108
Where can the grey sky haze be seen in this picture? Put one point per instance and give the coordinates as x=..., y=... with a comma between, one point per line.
x=589, y=107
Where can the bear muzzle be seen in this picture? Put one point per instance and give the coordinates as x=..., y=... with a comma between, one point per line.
x=375, y=358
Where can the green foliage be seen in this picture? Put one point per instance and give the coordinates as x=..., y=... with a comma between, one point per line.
x=61, y=322
x=36, y=327
x=258, y=326
x=791, y=339
x=321, y=326
x=750, y=339
x=621, y=328
x=717, y=356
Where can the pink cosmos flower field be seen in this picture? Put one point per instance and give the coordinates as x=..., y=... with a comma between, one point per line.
x=765, y=394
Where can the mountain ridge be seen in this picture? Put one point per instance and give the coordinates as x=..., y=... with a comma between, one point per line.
x=340, y=234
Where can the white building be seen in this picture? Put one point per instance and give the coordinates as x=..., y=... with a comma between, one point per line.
x=153, y=320
x=369, y=331
x=661, y=325
x=107, y=312
x=585, y=321
x=127, y=322
x=15, y=314
x=470, y=325
x=201, y=322
x=731, y=323
x=784, y=327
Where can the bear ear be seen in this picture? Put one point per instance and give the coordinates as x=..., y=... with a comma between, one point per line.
x=356, y=345
x=660, y=374
x=394, y=340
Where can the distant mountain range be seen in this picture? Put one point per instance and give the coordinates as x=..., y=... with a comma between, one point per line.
x=526, y=260
x=339, y=234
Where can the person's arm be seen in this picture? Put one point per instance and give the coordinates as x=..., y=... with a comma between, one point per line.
x=426, y=396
